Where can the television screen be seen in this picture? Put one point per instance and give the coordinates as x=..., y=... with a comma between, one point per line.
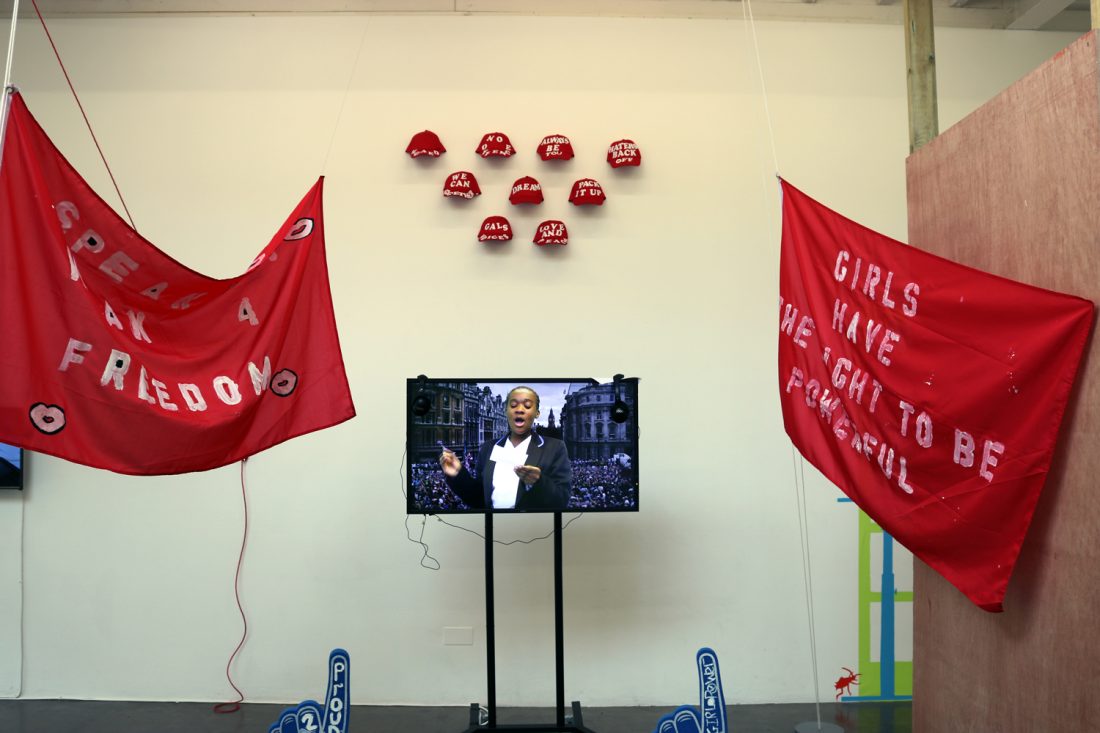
x=11, y=467
x=522, y=445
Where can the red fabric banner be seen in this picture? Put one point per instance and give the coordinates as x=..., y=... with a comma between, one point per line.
x=931, y=393
x=117, y=356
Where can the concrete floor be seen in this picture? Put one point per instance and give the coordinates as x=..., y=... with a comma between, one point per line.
x=77, y=716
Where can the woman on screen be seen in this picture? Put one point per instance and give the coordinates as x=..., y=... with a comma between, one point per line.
x=522, y=470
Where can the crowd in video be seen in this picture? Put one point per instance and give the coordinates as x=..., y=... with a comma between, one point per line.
x=429, y=489
x=597, y=484
x=602, y=484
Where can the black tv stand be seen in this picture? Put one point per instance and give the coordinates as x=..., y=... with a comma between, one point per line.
x=575, y=723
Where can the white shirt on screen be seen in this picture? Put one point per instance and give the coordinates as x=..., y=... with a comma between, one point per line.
x=505, y=481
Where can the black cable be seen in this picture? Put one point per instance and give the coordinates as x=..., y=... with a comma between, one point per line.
x=423, y=524
x=420, y=541
x=510, y=542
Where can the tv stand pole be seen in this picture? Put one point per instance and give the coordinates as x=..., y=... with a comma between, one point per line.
x=575, y=724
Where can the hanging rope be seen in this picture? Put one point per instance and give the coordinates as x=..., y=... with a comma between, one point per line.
x=11, y=44
x=344, y=99
x=82, y=112
x=797, y=463
x=7, y=79
x=747, y=8
x=235, y=705
x=807, y=569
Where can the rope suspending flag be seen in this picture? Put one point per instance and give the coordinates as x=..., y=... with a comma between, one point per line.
x=929, y=392
x=118, y=357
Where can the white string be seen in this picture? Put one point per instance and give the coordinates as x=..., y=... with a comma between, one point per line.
x=7, y=92
x=7, y=78
x=11, y=44
x=344, y=100
x=750, y=28
x=797, y=464
x=810, y=593
x=807, y=574
x=747, y=7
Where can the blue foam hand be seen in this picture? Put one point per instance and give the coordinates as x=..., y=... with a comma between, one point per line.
x=309, y=717
x=710, y=716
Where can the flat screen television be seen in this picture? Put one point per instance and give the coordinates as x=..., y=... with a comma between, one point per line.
x=11, y=467
x=572, y=453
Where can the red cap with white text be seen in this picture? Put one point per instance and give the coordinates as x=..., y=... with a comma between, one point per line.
x=555, y=147
x=495, y=229
x=425, y=143
x=526, y=190
x=587, y=192
x=623, y=153
x=551, y=231
x=461, y=184
x=495, y=145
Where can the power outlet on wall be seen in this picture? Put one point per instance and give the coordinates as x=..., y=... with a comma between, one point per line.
x=458, y=635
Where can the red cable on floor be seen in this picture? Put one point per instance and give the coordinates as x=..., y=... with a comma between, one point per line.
x=81, y=106
x=235, y=705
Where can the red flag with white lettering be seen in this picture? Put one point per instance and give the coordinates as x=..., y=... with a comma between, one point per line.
x=931, y=393
x=117, y=356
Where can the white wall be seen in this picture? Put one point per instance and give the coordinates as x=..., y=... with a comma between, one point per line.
x=216, y=126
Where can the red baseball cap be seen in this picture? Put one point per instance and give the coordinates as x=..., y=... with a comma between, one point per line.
x=495, y=228
x=551, y=231
x=495, y=145
x=526, y=190
x=555, y=147
x=425, y=143
x=461, y=184
x=586, y=192
x=624, y=152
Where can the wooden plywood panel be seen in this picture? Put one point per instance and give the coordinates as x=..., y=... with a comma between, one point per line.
x=1014, y=189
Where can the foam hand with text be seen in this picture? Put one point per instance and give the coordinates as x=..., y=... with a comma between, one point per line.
x=309, y=717
x=710, y=716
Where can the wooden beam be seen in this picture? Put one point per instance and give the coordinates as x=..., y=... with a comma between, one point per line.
x=920, y=67
x=1073, y=21
x=975, y=15
x=1095, y=7
x=1037, y=14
